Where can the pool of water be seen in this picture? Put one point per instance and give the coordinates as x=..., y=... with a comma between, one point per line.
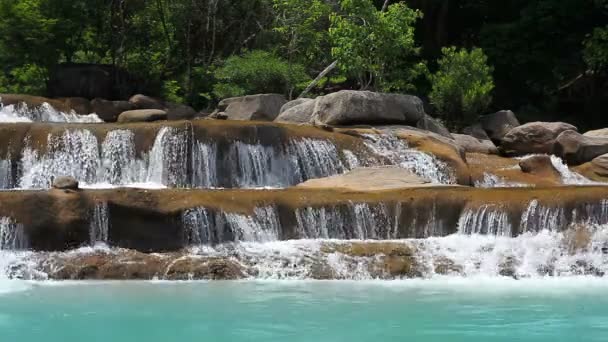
x=449, y=309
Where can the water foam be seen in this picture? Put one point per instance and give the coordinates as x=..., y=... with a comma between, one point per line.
x=43, y=113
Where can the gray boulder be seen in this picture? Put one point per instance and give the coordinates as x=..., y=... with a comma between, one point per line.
x=65, y=183
x=533, y=137
x=180, y=112
x=142, y=115
x=473, y=145
x=476, y=131
x=576, y=148
x=598, y=133
x=109, y=111
x=263, y=107
x=140, y=101
x=294, y=103
x=497, y=125
x=300, y=114
x=433, y=125
x=350, y=107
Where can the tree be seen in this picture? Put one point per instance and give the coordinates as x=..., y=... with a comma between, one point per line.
x=377, y=47
x=595, y=50
x=258, y=72
x=462, y=85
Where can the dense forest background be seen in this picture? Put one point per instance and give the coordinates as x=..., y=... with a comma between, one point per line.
x=544, y=59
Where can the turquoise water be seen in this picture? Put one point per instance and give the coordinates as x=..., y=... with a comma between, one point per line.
x=436, y=310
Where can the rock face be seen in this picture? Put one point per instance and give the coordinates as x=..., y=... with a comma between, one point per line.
x=294, y=103
x=601, y=165
x=476, y=131
x=497, y=125
x=109, y=111
x=577, y=149
x=299, y=114
x=262, y=107
x=65, y=183
x=534, y=137
x=433, y=125
x=473, y=145
x=142, y=115
x=350, y=107
x=539, y=165
x=369, y=179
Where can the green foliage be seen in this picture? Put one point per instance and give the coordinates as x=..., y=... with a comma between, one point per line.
x=258, y=72
x=462, y=86
x=596, y=50
x=26, y=79
x=302, y=26
x=172, y=92
x=376, y=47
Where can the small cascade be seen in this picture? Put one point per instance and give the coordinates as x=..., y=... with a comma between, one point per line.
x=204, y=167
x=486, y=220
x=204, y=227
x=395, y=151
x=315, y=158
x=100, y=224
x=538, y=217
x=492, y=181
x=118, y=159
x=168, y=158
x=257, y=165
x=6, y=174
x=569, y=177
x=75, y=153
x=354, y=221
x=43, y=113
x=12, y=235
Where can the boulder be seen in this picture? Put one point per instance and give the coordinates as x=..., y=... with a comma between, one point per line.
x=263, y=107
x=497, y=125
x=299, y=114
x=142, y=115
x=598, y=133
x=370, y=179
x=433, y=125
x=476, y=131
x=140, y=101
x=79, y=105
x=180, y=112
x=65, y=183
x=473, y=145
x=294, y=103
x=109, y=111
x=577, y=149
x=349, y=107
x=534, y=137
x=539, y=165
x=600, y=165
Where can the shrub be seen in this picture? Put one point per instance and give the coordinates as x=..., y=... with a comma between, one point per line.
x=258, y=72
x=462, y=85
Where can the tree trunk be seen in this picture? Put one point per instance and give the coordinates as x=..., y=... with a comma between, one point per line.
x=318, y=79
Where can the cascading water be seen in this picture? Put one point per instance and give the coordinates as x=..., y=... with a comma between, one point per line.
x=487, y=219
x=569, y=177
x=100, y=224
x=492, y=181
x=6, y=174
x=396, y=151
x=43, y=113
x=12, y=235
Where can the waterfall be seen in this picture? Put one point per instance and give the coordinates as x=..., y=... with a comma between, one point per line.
x=204, y=227
x=6, y=174
x=168, y=158
x=204, y=167
x=118, y=158
x=538, y=217
x=12, y=235
x=100, y=224
x=359, y=221
x=397, y=152
x=487, y=219
x=43, y=113
x=75, y=153
x=492, y=181
x=314, y=158
x=569, y=177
